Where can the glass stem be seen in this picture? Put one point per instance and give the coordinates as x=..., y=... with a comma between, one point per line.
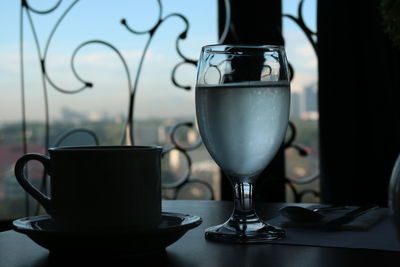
x=243, y=199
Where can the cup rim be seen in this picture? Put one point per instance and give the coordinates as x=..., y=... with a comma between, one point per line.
x=105, y=148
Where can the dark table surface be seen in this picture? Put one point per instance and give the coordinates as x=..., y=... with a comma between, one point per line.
x=193, y=250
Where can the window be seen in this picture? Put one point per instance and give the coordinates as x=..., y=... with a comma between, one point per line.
x=92, y=38
x=304, y=109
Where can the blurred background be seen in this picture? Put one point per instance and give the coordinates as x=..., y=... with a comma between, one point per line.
x=69, y=70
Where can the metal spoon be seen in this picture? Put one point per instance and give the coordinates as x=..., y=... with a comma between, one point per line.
x=302, y=214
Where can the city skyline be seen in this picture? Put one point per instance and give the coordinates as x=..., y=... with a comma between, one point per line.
x=303, y=105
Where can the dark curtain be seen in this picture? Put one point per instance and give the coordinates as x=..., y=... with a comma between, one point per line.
x=359, y=94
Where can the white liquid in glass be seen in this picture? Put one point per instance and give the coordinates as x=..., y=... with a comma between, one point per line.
x=243, y=126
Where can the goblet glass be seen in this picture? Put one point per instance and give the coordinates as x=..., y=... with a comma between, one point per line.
x=242, y=110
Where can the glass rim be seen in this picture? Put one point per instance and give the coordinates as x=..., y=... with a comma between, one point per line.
x=221, y=48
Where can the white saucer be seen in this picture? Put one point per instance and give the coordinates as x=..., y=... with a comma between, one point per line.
x=43, y=231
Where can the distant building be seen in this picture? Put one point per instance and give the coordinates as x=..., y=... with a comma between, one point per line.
x=295, y=102
x=304, y=104
x=310, y=103
x=310, y=98
x=69, y=115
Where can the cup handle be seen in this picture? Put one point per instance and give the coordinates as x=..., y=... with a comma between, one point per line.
x=26, y=184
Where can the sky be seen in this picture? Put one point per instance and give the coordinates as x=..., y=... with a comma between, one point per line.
x=100, y=20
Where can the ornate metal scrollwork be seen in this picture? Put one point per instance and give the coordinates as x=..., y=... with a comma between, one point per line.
x=299, y=20
x=185, y=180
x=182, y=183
x=128, y=137
x=290, y=142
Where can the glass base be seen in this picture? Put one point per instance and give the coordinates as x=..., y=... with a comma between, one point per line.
x=244, y=229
